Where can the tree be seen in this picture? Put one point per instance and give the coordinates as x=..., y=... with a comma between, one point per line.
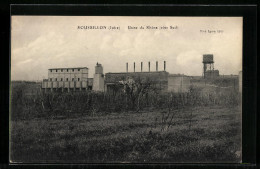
x=136, y=89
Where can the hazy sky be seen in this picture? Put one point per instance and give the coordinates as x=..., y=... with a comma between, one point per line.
x=42, y=42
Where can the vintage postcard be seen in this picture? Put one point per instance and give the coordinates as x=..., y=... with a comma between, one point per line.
x=121, y=89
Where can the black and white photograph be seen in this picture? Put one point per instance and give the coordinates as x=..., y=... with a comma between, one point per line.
x=125, y=89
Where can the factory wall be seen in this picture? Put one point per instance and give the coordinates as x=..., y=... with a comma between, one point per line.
x=98, y=82
x=163, y=81
x=76, y=74
x=211, y=73
x=67, y=78
x=158, y=79
x=178, y=83
x=67, y=84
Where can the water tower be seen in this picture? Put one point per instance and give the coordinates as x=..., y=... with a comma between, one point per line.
x=208, y=64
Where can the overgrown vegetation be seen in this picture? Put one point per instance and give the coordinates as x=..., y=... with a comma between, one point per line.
x=137, y=124
x=132, y=98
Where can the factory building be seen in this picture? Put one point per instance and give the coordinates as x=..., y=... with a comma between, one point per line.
x=76, y=79
x=178, y=83
x=73, y=79
x=211, y=73
x=159, y=80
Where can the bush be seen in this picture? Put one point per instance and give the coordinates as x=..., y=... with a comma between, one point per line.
x=57, y=104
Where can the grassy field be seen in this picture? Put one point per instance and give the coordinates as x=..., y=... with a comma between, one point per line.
x=199, y=134
x=202, y=125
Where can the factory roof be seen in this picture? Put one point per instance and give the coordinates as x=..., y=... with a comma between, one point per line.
x=178, y=75
x=136, y=72
x=69, y=68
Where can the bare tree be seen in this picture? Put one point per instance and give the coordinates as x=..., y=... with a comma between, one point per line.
x=136, y=89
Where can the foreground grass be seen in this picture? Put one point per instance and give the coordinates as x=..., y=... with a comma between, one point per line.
x=207, y=135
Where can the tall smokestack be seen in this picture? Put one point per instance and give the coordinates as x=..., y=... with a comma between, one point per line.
x=134, y=66
x=156, y=66
x=149, y=66
x=141, y=66
x=126, y=66
x=164, y=65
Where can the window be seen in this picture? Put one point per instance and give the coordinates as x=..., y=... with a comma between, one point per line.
x=50, y=79
x=51, y=70
x=61, y=79
x=67, y=79
x=72, y=70
x=55, y=79
x=78, y=69
x=67, y=70
x=61, y=70
x=56, y=70
x=78, y=79
x=72, y=79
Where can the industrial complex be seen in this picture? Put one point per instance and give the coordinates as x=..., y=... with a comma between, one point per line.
x=76, y=79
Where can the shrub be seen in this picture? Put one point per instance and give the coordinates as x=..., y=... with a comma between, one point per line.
x=91, y=103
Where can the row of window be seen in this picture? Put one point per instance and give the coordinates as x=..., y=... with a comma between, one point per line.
x=61, y=79
x=62, y=70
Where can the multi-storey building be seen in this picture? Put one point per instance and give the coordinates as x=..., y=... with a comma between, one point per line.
x=68, y=74
x=68, y=78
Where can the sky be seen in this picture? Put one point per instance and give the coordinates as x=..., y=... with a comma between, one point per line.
x=39, y=43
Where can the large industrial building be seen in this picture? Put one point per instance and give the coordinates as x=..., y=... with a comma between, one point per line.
x=76, y=79
x=61, y=79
